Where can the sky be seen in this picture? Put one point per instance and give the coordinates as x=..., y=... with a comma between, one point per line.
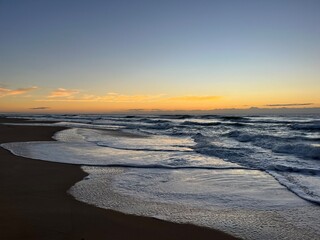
x=108, y=56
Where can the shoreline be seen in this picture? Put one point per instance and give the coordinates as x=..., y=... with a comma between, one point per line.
x=34, y=202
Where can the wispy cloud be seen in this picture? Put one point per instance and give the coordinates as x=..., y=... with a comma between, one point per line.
x=70, y=95
x=39, y=108
x=144, y=110
x=116, y=97
x=136, y=110
x=63, y=93
x=288, y=104
x=195, y=98
x=11, y=92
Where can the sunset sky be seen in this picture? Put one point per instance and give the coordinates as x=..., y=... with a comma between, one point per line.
x=109, y=56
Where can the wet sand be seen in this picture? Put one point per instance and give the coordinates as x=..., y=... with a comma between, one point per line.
x=34, y=203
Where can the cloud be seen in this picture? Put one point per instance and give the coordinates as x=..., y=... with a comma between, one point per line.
x=39, y=108
x=136, y=110
x=288, y=104
x=143, y=110
x=11, y=92
x=116, y=97
x=195, y=98
x=63, y=93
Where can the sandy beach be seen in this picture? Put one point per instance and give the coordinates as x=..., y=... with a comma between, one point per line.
x=34, y=203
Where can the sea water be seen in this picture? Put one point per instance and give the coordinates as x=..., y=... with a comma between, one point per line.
x=254, y=177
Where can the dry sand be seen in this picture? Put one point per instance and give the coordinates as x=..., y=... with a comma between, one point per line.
x=34, y=203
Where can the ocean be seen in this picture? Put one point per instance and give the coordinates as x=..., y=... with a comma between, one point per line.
x=256, y=177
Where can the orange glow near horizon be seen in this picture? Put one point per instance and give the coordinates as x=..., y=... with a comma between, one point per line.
x=73, y=101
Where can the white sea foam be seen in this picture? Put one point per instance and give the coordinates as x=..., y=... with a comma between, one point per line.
x=303, y=184
x=251, y=205
x=78, y=146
